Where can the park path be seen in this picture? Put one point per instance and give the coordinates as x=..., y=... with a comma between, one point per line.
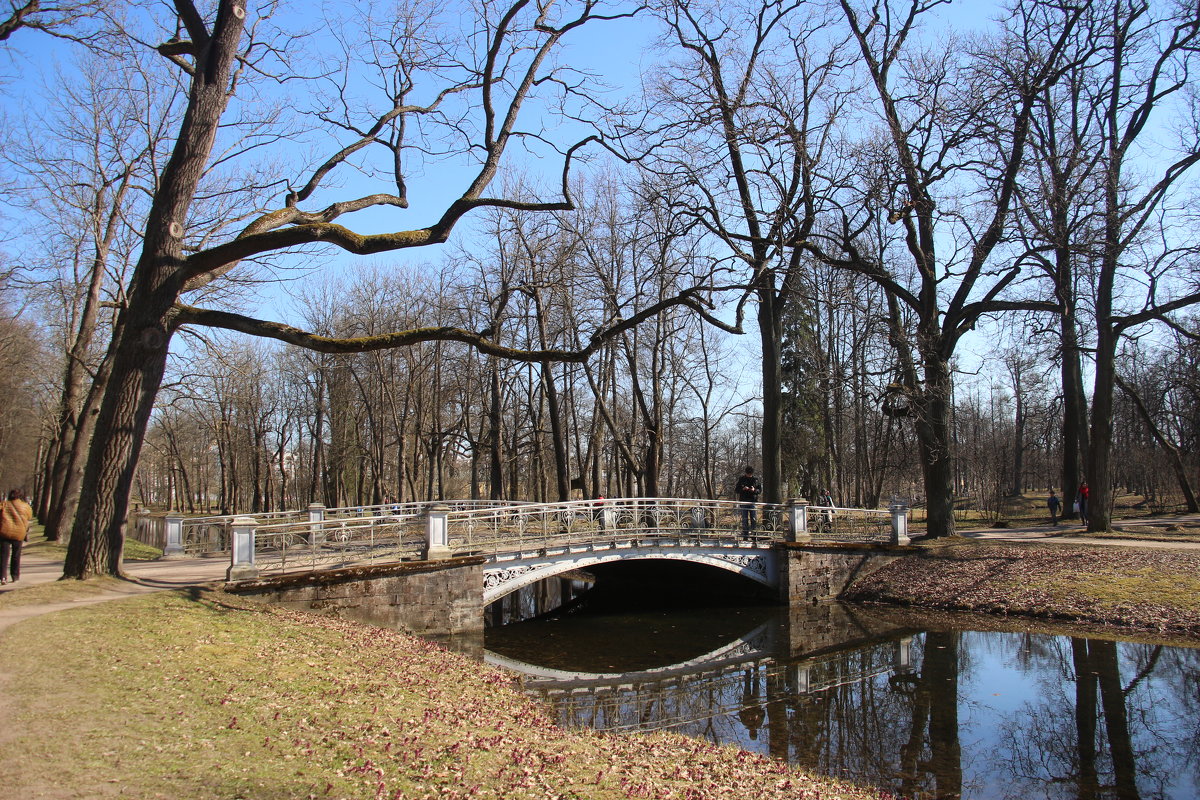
x=1072, y=532
x=145, y=577
x=157, y=576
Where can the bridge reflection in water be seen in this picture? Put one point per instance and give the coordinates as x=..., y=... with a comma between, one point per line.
x=740, y=679
x=882, y=698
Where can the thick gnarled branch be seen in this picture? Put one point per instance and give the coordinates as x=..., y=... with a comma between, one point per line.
x=483, y=341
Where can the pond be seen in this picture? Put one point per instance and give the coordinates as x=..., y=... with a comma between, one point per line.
x=923, y=706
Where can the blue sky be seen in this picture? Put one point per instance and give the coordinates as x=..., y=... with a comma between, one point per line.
x=617, y=50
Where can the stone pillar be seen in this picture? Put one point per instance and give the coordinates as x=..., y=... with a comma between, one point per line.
x=316, y=515
x=797, y=530
x=174, y=547
x=241, y=550
x=437, y=533
x=899, y=522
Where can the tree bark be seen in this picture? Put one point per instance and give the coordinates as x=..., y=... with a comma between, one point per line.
x=144, y=327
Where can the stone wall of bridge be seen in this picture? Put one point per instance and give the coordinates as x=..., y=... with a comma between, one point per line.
x=426, y=597
x=446, y=597
x=809, y=573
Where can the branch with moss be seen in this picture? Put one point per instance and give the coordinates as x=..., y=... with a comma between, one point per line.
x=693, y=298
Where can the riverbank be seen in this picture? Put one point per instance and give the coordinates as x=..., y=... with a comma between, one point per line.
x=1126, y=588
x=199, y=694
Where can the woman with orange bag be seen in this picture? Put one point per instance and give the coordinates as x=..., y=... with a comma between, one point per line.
x=15, y=515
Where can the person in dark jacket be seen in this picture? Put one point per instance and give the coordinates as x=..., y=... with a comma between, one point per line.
x=748, y=489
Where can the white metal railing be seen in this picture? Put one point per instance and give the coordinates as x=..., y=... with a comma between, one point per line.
x=338, y=542
x=445, y=530
x=616, y=521
x=211, y=534
x=829, y=523
x=493, y=531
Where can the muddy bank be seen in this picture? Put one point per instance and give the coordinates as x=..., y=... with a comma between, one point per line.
x=1121, y=588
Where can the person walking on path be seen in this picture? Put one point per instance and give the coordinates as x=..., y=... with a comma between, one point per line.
x=1054, y=504
x=1081, y=500
x=15, y=516
x=748, y=489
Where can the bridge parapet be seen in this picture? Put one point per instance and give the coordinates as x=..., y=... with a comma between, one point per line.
x=534, y=526
x=617, y=521
x=197, y=535
x=313, y=540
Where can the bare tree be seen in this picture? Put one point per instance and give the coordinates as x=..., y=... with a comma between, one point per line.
x=946, y=175
x=66, y=20
x=216, y=52
x=748, y=122
x=1143, y=273
x=85, y=162
x=21, y=350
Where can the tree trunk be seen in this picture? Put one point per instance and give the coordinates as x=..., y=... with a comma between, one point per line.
x=495, y=438
x=769, y=324
x=139, y=358
x=1099, y=472
x=562, y=478
x=142, y=334
x=934, y=446
x=1018, y=465
x=1075, y=415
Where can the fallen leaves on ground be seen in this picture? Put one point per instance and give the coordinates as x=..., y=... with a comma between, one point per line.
x=1135, y=588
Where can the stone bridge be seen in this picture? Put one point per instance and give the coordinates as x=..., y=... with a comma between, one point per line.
x=436, y=566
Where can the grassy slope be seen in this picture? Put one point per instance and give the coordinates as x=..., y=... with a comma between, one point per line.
x=209, y=696
x=1140, y=589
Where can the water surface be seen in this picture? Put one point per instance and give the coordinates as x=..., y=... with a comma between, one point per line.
x=926, y=711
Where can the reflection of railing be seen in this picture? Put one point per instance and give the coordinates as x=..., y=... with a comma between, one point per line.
x=629, y=703
x=149, y=529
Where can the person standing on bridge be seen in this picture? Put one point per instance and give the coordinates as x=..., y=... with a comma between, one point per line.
x=748, y=489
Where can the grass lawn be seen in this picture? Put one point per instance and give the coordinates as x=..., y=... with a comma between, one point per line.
x=1141, y=589
x=204, y=695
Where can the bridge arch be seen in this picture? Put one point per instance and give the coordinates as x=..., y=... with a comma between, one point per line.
x=503, y=578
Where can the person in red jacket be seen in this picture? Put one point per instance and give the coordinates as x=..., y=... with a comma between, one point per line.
x=1081, y=499
x=15, y=515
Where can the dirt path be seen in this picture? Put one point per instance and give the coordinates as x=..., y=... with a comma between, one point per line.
x=145, y=577
x=1072, y=532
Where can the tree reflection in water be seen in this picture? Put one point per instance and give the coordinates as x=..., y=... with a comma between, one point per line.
x=941, y=714
x=1128, y=728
